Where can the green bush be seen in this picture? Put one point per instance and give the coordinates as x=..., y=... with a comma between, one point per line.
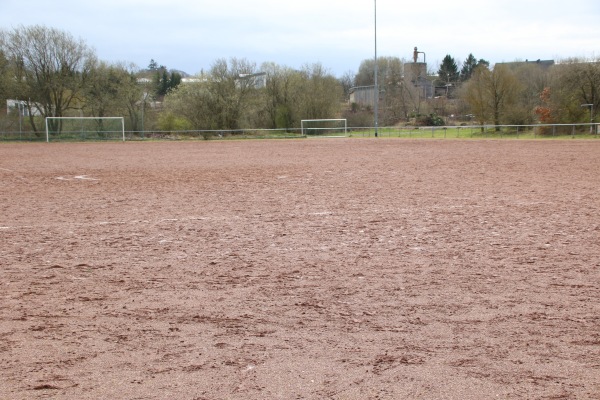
x=170, y=122
x=429, y=120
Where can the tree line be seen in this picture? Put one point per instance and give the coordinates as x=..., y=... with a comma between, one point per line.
x=53, y=74
x=516, y=93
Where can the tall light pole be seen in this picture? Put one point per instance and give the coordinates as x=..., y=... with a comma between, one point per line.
x=591, y=106
x=376, y=97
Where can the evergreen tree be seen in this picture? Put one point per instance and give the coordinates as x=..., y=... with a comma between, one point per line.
x=448, y=72
x=469, y=66
x=174, y=80
x=163, y=86
x=164, y=82
x=153, y=66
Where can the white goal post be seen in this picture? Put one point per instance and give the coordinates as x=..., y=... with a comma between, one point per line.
x=85, y=128
x=324, y=126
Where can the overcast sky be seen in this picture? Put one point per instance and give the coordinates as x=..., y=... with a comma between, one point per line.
x=190, y=35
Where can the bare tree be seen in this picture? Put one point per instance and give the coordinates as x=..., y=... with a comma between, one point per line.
x=223, y=99
x=113, y=90
x=490, y=93
x=321, y=94
x=5, y=81
x=576, y=82
x=533, y=79
x=50, y=66
x=281, y=95
x=192, y=106
x=347, y=82
x=389, y=70
x=231, y=85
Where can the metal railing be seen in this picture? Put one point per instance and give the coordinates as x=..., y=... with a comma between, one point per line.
x=539, y=131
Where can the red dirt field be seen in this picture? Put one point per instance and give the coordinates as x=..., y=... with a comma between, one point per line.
x=300, y=269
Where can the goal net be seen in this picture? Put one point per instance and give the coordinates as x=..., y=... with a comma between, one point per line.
x=85, y=128
x=324, y=127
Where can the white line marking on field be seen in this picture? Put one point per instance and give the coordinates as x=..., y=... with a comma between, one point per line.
x=81, y=177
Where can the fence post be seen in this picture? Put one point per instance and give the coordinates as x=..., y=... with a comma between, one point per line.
x=573, y=132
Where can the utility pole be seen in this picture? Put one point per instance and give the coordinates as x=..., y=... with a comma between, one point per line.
x=376, y=97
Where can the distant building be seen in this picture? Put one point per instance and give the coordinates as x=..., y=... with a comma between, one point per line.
x=415, y=74
x=259, y=78
x=192, y=80
x=363, y=95
x=20, y=107
x=545, y=64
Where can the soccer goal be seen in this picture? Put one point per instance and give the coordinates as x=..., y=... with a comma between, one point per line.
x=85, y=128
x=324, y=127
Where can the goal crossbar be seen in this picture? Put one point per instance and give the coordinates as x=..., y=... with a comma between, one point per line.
x=122, y=129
